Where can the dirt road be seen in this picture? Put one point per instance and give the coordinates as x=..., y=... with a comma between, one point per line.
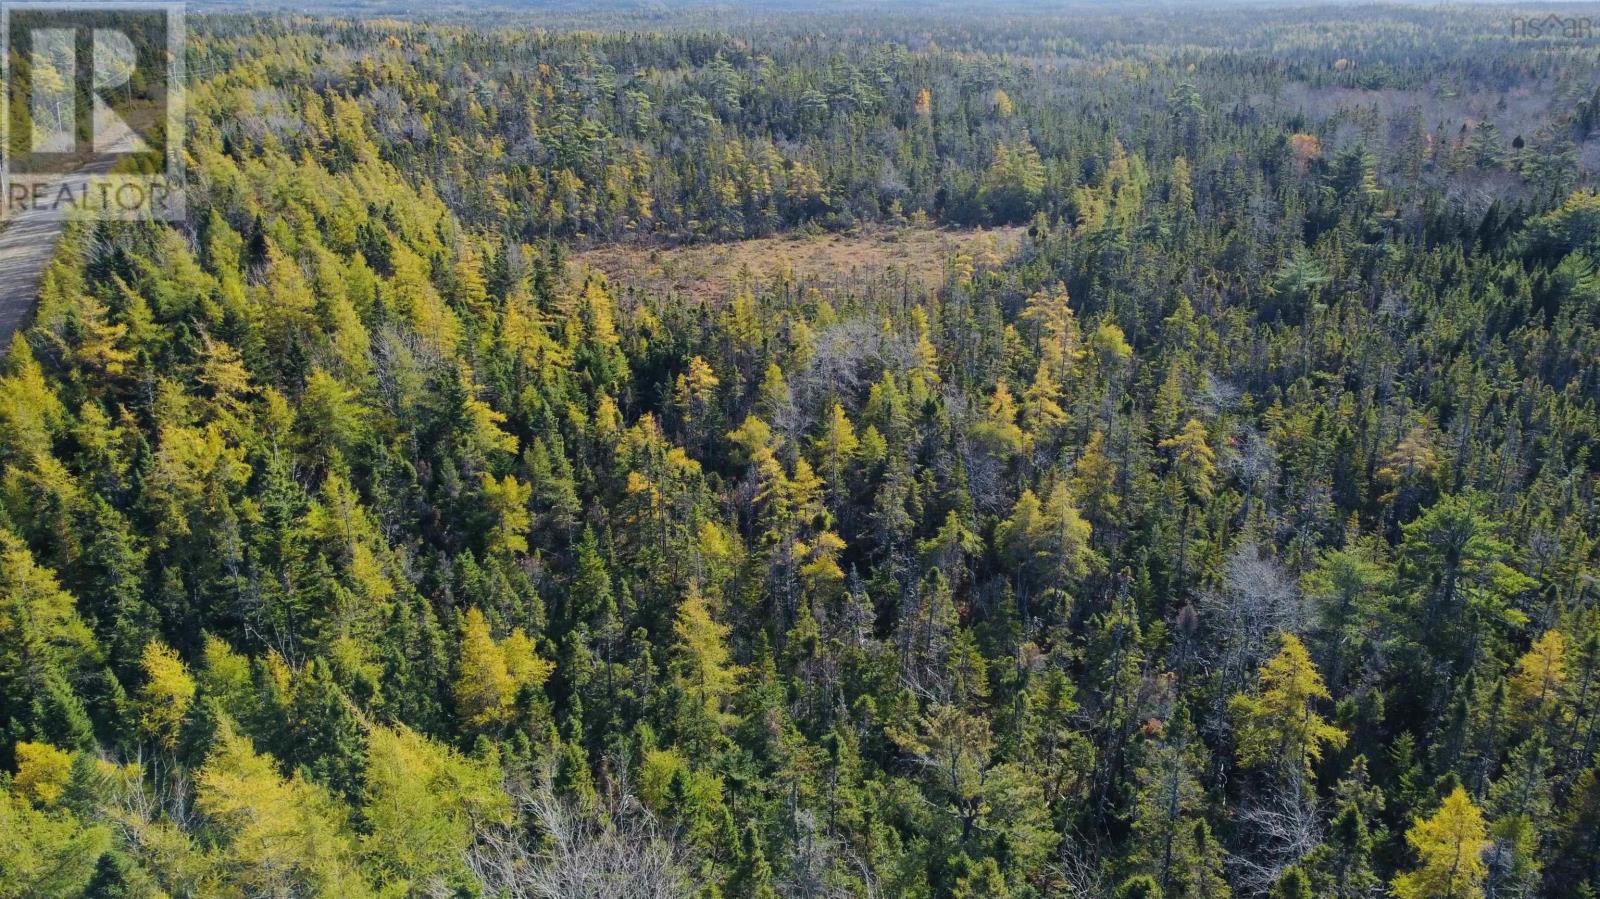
x=27, y=244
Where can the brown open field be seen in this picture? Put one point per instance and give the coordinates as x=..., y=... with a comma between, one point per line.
x=825, y=260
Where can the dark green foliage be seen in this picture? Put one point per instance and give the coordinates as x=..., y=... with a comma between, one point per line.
x=1233, y=535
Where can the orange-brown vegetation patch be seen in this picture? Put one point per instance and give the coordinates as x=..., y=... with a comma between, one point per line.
x=822, y=260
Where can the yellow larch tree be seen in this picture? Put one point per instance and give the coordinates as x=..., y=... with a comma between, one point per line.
x=1278, y=723
x=167, y=693
x=1450, y=845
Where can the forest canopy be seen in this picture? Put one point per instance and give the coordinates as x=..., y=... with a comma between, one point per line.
x=1230, y=533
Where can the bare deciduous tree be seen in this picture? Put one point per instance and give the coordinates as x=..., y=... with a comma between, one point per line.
x=1282, y=826
x=1256, y=601
x=617, y=852
x=1079, y=871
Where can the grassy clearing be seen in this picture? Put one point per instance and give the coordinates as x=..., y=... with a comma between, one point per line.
x=825, y=261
